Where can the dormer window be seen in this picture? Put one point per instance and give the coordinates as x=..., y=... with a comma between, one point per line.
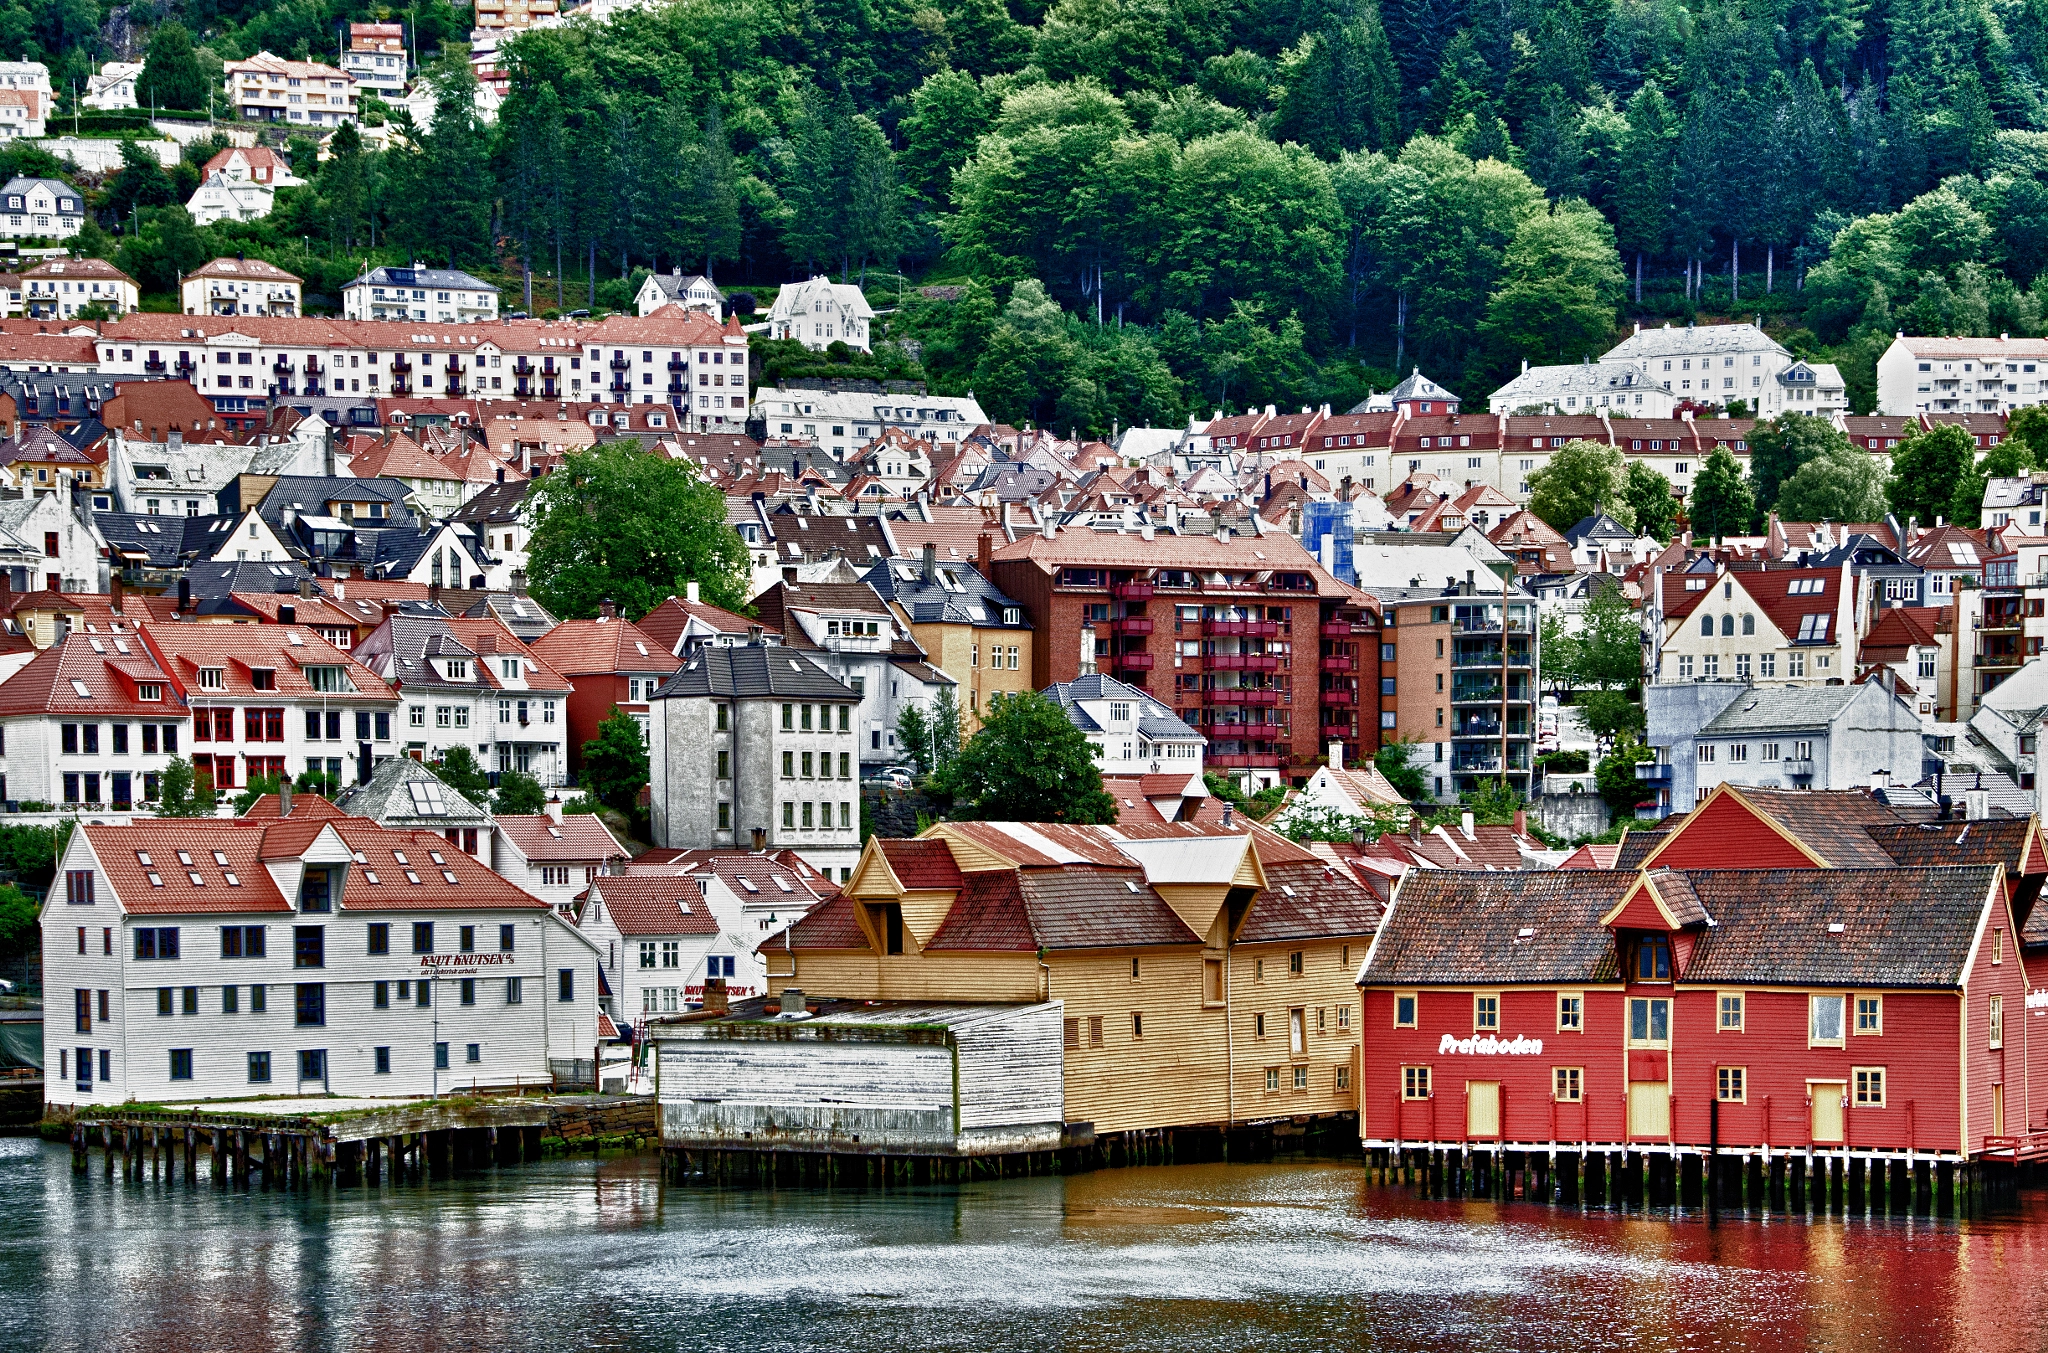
x=149, y=690
x=314, y=891
x=1119, y=712
x=263, y=678
x=212, y=679
x=1653, y=959
x=458, y=669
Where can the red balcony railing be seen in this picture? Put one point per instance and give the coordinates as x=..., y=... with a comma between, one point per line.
x=1132, y=662
x=1245, y=760
x=1249, y=629
x=1131, y=624
x=1338, y=662
x=1241, y=662
x=1241, y=695
x=1134, y=591
x=1341, y=698
x=1336, y=629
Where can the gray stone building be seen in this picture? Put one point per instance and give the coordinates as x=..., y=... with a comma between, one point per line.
x=757, y=745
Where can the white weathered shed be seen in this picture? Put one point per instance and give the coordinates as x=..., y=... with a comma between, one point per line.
x=892, y=1078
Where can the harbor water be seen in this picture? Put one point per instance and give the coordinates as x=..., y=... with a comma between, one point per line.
x=577, y=1254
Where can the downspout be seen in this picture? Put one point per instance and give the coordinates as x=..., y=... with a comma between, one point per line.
x=1045, y=976
x=1229, y=1051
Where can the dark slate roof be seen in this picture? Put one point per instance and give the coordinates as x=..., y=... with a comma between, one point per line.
x=1636, y=847
x=218, y=578
x=1900, y=927
x=498, y=502
x=1078, y=906
x=1323, y=903
x=754, y=671
x=168, y=540
x=1452, y=927
x=1599, y=526
x=977, y=601
x=1155, y=720
x=311, y=494
x=388, y=799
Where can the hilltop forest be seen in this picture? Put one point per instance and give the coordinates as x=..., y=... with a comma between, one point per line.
x=1113, y=211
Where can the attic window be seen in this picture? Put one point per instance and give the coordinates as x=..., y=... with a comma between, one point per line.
x=156, y=880
x=399, y=856
x=233, y=882
x=220, y=857
x=185, y=859
x=361, y=858
x=370, y=875
x=411, y=877
x=1287, y=889
x=448, y=874
x=1835, y=927
x=555, y=832
x=435, y=856
x=197, y=881
x=79, y=687
x=263, y=678
x=97, y=646
x=783, y=884
x=142, y=857
x=748, y=884
x=1129, y=884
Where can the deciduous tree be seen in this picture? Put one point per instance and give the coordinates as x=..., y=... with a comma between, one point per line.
x=1028, y=763
x=1581, y=479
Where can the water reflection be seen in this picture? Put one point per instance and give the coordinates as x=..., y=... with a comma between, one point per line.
x=573, y=1255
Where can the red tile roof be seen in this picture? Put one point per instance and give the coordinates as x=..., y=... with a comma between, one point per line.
x=588, y=647
x=134, y=855
x=652, y=904
x=474, y=885
x=666, y=621
x=579, y=837
x=922, y=864
x=240, y=650
x=50, y=682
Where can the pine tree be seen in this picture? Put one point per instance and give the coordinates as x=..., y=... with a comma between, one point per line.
x=1643, y=201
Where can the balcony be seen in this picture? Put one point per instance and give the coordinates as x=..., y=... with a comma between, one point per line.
x=547, y=389
x=184, y=367
x=1131, y=624
x=1344, y=732
x=676, y=387
x=1340, y=699
x=1335, y=629
x=1240, y=662
x=1337, y=662
x=1795, y=768
x=282, y=366
x=1246, y=629
x=313, y=367
x=522, y=368
x=521, y=388
x=678, y=364
x=1131, y=591
x=1656, y=774
x=1517, y=694
x=1478, y=655
x=313, y=389
x=455, y=388
x=619, y=386
x=400, y=386
x=621, y=364
x=1244, y=761
x=154, y=367
x=1131, y=662
x=1240, y=695
x=454, y=367
x=400, y=364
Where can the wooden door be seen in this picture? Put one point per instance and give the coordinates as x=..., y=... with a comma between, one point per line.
x=1482, y=1108
x=1649, y=1109
x=1827, y=1111
x=1998, y=1110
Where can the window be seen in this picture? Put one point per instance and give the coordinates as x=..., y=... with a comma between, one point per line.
x=259, y=1068
x=1649, y=1022
x=1870, y=1014
x=1404, y=1010
x=1485, y=1014
x=1567, y=1084
x=1137, y=1025
x=382, y=1061
x=1570, y=1014
x=565, y=984
x=1996, y=1022
x=160, y=942
x=1653, y=959
x=440, y=1056
x=1729, y=1085
x=380, y=996
x=469, y=991
x=380, y=937
x=423, y=937
x=515, y=991
x=1824, y=1020
x=1415, y=1082
x=181, y=1064
x=507, y=934
x=1998, y=946
x=1731, y=1011
x=311, y=1005
x=309, y=946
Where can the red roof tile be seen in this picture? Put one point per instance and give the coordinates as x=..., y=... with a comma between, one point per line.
x=589, y=647
x=922, y=864
x=579, y=837
x=653, y=904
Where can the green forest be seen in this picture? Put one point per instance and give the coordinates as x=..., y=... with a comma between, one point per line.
x=1107, y=212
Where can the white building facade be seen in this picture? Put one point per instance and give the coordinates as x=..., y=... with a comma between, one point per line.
x=1961, y=375
x=820, y=312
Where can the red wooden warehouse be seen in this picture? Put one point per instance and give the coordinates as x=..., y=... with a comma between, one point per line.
x=1778, y=1021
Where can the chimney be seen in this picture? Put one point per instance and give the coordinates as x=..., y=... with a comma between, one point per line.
x=714, y=996
x=553, y=809
x=754, y=634
x=1521, y=822
x=690, y=592
x=1880, y=780
x=114, y=591
x=184, y=595
x=607, y=611
x=1465, y=824
x=1226, y=814
x=1336, y=755
x=984, y=553
x=930, y=557
x=287, y=613
x=305, y=587
x=760, y=835
x=1976, y=805
x=792, y=1001
x=284, y=796
x=1414, y=827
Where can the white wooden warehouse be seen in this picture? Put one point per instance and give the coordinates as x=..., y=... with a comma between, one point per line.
x=865, y=1078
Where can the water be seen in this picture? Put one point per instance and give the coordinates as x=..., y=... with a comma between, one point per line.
x=572, y=1255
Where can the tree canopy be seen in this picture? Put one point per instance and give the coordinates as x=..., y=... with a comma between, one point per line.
x=615, y=762
x=1581, y=479
x=1028, y=763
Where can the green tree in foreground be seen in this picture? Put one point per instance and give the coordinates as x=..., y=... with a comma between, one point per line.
x=616, y=523
x=1722, y=502
x=1408, y=780
x=1616, y=774
x=1581, y=479
x=1930, y=468
x=172, y=76
x=19, y=929
x=519, y=795
x=1650, y=498
x=30, y=853
x=458, y=769
x=615, y=762
x=1029, y=764
x=180, y=793
x=1779, y=446
x=1842, y=484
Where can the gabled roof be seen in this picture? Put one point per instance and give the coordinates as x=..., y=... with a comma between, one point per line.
x=754, y=671
x=402, y=791
x=666, y=622
x=89, y=676
x=578, y=838
x=655, y=904
x=588, y=647
x=1902, y=927
x=1459, y=928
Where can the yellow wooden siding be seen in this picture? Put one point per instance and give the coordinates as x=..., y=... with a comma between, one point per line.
x=924, y=911
x=951, y=649
x=1326, y=985
x=1175, y=1074
x=1197, y=904
x=853, y=976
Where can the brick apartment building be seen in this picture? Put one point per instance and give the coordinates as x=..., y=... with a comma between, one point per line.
x=1248, y=639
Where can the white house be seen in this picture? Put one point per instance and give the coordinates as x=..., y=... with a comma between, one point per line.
x=820, y=312
x=376, y=58
x=59, y=288
x=1132, y=733
x=211, y=960
x=471, y=683
x=113, y=86
x=696, y=292
x=556, y=858
x=91, y=719
x=32, y=208
x=25, y=99
x=844, y=421
x=241, y=286
x=1721, y=363
x=219, y=199
x=439, y=295
x=1961, y=375
x=1352, y=792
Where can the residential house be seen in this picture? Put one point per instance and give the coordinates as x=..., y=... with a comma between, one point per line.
x=682, y=624
x=839, y=420
x=555, y=857
x=240, y=286
x=1722, y=364
x=1625, y=388
x=376, y=59
x=90, y=720
x=403, y=795
x=820, y=312
x=849, y=631
x=692, y=293
x=612, y=665
x=40, y=461
x=258, y=165
x=47, y=542
x=966, y=626
x=268, y=88
x=1132, y=733
x=33, y=208
x=60, y=288
x=1414, y=397
x=757, y=742
x=1347, y=791
x=219, y=199
x=1796, y=625
x=402, y=969
x=1961, y=375
x=439, y=295
x=472, y=683
x=112, y=86
x=1708, y=733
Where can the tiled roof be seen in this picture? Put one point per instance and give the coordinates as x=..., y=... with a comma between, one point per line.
x=1080, y=906
x=1591, y=856
x=989, y=913
x=2014, y=842
x=833, y=924
x=666, y=621
x=584, y=647
x=1831, y=823
x=240, y=650
x=752, y=671
x=579, y=837
x=921, y=864
x=1306, y=899
x=51, y=682
x=1900, y=927
x=650, y=904
x=377, y=848
x=131, y=854
x=1460, y=928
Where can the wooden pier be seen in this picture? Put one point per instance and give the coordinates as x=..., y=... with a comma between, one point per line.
x=1633, y=1178
x=399, y=1142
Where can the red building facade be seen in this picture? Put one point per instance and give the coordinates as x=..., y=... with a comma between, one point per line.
x=1246, y=637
